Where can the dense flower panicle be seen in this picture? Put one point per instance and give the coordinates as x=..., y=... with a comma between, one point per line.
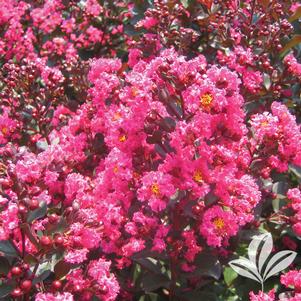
x=9, y=221
x=261, y=296
x=279, y=135
x=29, y=169
x=56, y=297
x=265, y=125
x=290, y=145
x=292, y=279
x=192, y=247
x=124, y=151
x=75, y=186
x=241, y=60
x=92, y=7
x=156, y=145
x=8, y=127
x=48, y=17
x=294, y=196
x=100, y=271
x=76, y=256
x=156, y=186
x=133, y=246
x=103, y=76
x=293, y=66
x=218, y=226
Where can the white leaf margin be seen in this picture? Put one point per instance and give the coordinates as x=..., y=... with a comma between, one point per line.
x=250, y=269
x=244, y=267
x=271, y=269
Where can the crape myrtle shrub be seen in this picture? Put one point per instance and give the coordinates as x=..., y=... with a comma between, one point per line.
x=143, y=144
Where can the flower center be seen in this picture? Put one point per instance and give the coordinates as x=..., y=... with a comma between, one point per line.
x=134, y=91
x=264, y=123
x=4, y=130
x=198, y=177
x=206, y=99
x=116, y=116
x=155, y=189
x=115, y=169
x=219, y=223
x=122, y=138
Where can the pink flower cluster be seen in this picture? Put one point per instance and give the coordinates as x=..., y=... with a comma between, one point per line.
x=242, y=61
x=293, y=66
x=294, y=196
x=279, y=136
x=261, y=296
x=171, y=133
x=32, y=30
x=51, y=297
x=291, y=279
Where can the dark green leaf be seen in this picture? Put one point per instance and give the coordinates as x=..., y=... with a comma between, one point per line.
x=280, y=188
x=58, y=227
x=292, y=43
x=130, y=30
x=5, y=289
x=246, y=235
x=44, y=275
x=27, y=230
x=229, y=275
x=7, y=248
x=210, y=198
x=152, y=297
x=296, y=170
x=185, y=3
x=208, y=265
x=278, y=203
x=198, y=296
x=147, y=253
x=149, y=264
x=4, y=266
x=38, y=213
x=150, y=282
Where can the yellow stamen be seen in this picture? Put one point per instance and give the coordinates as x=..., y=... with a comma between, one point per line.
x=122, y=138
x=134, y=91
x=116, y=116
x=206, y=99
x=4, y=130
x=264, y=123
x=115, y=169
x=155, y=189
x=197, y=176
x=219, y=223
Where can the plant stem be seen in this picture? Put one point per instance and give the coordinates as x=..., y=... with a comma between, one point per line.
x=173, y=279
